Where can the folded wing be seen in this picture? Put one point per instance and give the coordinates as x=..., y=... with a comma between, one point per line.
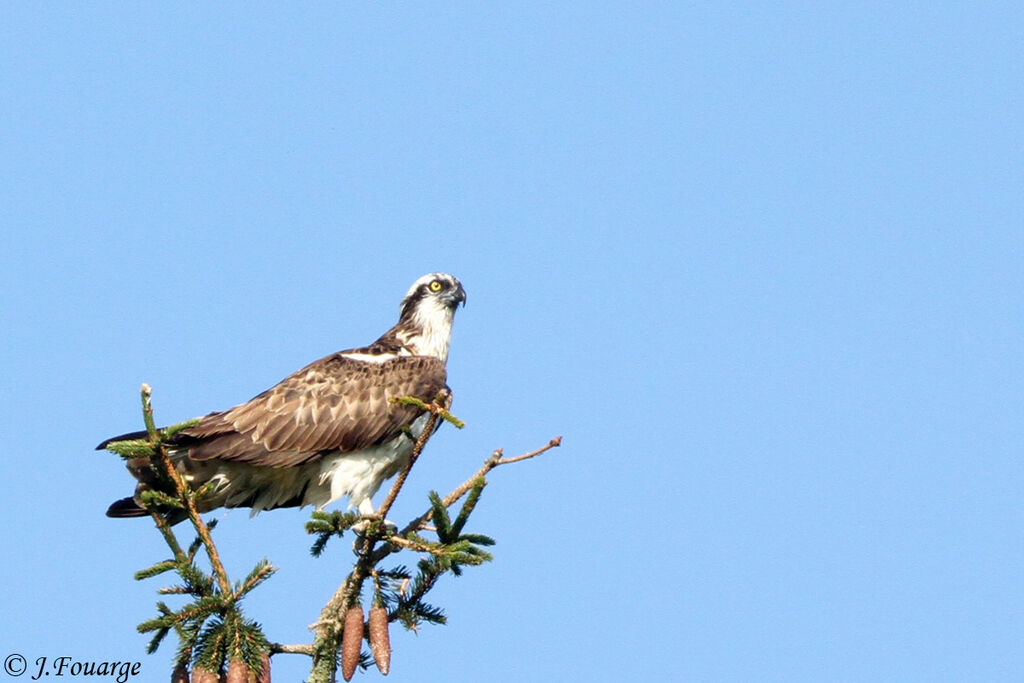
x=335, y=403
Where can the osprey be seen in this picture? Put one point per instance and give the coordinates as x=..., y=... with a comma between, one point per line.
x=326, y=431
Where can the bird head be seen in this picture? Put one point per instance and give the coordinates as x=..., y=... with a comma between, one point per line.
x=434, y=291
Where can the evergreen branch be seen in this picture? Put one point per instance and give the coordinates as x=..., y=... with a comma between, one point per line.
x=201, y=492
x=477, y=539
x=131, y=448
x=182, y=489
x=197, y=582
x=187, y=634
x=333, y=522
x=167, y=432
x=442, y=522
x=158, y=637
x=248, y=644
x=430, y=613
x=157, y=623
x=399, y=573
x=260, y=573
x=156, y=569
x=152, y=498
x=317, y=549
x=411, y=615
x=144, y=448
x=193, y=548
x=417, y=545
x=326, y=525
x=467, y=507
x=195, y=611
x=150, y=625
x=211, y=646
x=434, y=408
x=227, y=639
x=411, y=608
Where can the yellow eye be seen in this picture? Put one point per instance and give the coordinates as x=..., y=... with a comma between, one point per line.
x=436, y=286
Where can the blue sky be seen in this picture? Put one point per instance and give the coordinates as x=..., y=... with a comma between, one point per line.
x=760, y=264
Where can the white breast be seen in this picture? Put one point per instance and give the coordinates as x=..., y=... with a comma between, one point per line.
x=359, y=475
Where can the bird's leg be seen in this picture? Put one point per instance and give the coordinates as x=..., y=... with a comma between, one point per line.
x=366, y=507
x=368, y=514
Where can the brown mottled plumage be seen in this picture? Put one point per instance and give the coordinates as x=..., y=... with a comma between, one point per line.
x=328, y=429
x=335, y=403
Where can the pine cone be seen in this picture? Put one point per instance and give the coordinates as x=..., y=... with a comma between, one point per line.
x=201, y=675
x=238, y=672
x=264, y=674
x=351, y=641
x=180, y=674
x=380, y=642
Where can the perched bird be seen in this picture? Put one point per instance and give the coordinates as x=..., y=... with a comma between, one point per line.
x=326, y=431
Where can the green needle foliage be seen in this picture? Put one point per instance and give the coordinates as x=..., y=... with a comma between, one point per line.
x=230, y=637
x=326, y=525
x=445, y=415
x=211, y=628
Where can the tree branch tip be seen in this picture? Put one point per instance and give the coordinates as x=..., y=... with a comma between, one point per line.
x=554, y=443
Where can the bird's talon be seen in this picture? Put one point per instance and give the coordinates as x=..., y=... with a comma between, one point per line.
x=365, y=523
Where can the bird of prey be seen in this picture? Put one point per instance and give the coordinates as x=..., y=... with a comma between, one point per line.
x=326, y=431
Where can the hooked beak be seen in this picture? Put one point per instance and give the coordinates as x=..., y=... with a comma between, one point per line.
x=459, y=297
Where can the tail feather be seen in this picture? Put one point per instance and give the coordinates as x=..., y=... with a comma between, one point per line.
x=126, y=507
x=123, y=437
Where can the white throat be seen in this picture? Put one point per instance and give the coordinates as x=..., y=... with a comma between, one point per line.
x=432, y=322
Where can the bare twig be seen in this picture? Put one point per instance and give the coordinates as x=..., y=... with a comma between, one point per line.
x=301, y=649
x=462, y=489
x=554, y=443
x=428, y=430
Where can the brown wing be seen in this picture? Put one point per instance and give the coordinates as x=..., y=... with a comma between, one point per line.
x=335, y=403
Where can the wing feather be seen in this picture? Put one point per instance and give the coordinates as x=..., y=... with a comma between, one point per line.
x=335, y=403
